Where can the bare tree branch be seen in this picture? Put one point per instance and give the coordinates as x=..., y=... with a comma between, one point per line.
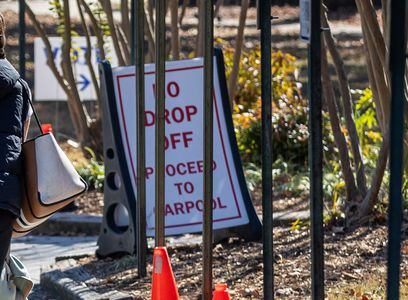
x=217, y=9
x=372, y=196
x=97, y=30
x=347, y=106
x=124, y=11
x=151, y=15
x=368, y=14
x=239, y=42
x=75, y=103
x=183, y=11
x=200, y=26
x=88, y=54
x=339, y=138
x=50, y=55
x=107, y=7
x=149, y=29
x=124, y=44
x=175, y=40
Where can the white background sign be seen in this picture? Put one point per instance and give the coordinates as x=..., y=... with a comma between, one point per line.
x=46, y=86
x=184, y=148
x=305, y=20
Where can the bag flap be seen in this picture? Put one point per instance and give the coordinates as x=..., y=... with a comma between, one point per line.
x=57, y=179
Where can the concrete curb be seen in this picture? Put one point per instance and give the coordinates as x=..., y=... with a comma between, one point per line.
x=286, y=218
x=67, y=281
x=89, y=225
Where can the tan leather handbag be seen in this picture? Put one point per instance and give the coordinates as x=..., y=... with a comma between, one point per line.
x=50, y=181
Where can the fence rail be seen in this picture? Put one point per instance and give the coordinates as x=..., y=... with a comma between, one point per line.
x=397, y=65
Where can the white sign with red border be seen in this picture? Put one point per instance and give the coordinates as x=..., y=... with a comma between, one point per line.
x=184, y=148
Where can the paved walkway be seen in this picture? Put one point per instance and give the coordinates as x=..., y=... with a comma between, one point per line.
x=39, y=252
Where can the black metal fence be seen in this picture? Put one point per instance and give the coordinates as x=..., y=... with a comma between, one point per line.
x=397, y=66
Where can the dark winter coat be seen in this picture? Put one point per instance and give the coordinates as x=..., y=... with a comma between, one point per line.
x=13, y=112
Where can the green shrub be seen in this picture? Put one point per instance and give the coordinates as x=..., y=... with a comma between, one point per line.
x=289, y=109
x=92, y=172
x=368, y=129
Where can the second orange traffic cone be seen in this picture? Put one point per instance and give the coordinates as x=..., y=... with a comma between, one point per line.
x=221, y=292
x=164, y=285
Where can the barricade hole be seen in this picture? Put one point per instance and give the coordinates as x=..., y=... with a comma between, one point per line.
x=114, y=181
x=118, y=218
x=110, y=153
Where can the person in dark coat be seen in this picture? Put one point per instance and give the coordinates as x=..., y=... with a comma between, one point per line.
x=14, y=120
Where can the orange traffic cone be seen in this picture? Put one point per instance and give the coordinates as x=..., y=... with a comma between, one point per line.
x=164, y=285
x=221, y=292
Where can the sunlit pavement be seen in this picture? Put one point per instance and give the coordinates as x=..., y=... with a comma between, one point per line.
x=39, y=252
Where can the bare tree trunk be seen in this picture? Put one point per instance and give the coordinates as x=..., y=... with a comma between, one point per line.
x=347, y=107
x=124, y=10
x=107, y=7
x=339, y=138
x=368, y=14
x=50, y=56
x=371, y=198
x=183, y=11
x=80, y=115
x=199, y=43
x=149, y=30
x=175, y=40
x=151, y=14
x=374, y=88
x=88, y=54
x=51, y=63
x=217, y=9
x=96, y=28
x=124, y=44
x=232, y=82
x=378, y=71
x=384, y=7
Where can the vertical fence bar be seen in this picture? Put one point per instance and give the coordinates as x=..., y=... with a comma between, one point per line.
x=397, y=62
x=316, y=152
x=22, y=39
x=264, y=24
x=160, y=33
x=208, y=50
x=133, y=32
x=138, y=51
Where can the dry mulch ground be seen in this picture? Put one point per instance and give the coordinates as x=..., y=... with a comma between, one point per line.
x=90, y=204
x=355, y=267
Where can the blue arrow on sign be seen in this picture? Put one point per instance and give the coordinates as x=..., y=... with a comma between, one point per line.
x=85, y=82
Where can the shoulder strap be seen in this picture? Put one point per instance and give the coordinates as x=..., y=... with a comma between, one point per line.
x=27, y=95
